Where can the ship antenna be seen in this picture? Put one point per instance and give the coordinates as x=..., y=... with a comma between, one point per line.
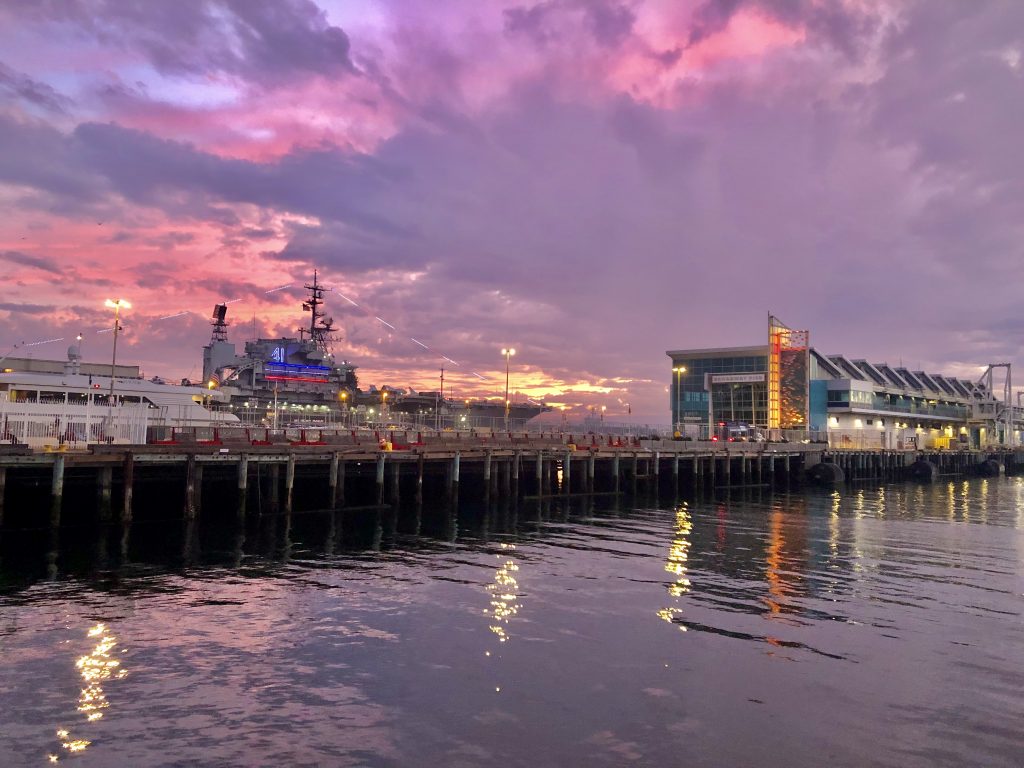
x=320, y=327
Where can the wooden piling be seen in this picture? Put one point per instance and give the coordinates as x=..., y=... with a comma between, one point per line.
x=380, y=478
x=332, y=481
x=56, y=489
x=274, y=481
x=340, y=485
x=243, y=482
x=129, y=486
x=104, y=486
x=199, y=488
x=289, y=482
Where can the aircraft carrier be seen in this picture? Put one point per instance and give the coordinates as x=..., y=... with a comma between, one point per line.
x=294, y=381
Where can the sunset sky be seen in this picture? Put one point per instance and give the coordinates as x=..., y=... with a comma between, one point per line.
x=590, y=181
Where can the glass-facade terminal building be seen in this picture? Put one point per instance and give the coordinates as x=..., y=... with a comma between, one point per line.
x=787, y=386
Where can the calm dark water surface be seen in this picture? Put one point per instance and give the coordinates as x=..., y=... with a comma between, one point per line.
x=869, y=627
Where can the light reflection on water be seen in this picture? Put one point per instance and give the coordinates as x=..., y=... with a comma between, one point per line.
x=504, y=594
x=875, y=625
x=95, y=668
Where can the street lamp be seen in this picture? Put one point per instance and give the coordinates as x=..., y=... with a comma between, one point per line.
x=509, y=352
x=116, y=305
x=679, y=370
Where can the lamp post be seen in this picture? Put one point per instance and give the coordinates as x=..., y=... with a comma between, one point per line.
x=508, y=353
x=275, y=407
x=679, y=370
x=116, y=305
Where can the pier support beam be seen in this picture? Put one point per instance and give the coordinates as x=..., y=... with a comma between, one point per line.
x=395, y=480
x=129, y=487
x=289, y=483
x=199, y=488
x=332, y=481
x=3, y=488
x=615, y=471
x=104, y=487
x=340, y=485
x=591, y=472
x=420, y=466
x=243, y=482
x=380, y=478
x=56, y=489
x=190, y=487
x=274, y=480
x=567, y=472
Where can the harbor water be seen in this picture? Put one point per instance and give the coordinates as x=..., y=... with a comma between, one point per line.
x=868, y=626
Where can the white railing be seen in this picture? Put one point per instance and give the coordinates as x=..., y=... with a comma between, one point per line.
x=40, y=424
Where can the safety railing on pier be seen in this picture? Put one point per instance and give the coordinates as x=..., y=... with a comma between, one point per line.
x=42, y=425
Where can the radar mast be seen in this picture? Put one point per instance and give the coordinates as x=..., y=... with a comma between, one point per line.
x=320, y=327
x=219, y=323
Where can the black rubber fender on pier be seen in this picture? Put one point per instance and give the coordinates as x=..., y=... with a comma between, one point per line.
x=826, y=473
x=924, y=471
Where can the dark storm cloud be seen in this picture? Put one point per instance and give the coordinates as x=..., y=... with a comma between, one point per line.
x=27, y=260
x=168, y=241
x=32, y=91
x=26, y=309
x=98, y=160
x=842, y=25
x=608, y=22
x=265, y=43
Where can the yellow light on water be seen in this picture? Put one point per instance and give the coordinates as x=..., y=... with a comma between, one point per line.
x=677, y=564
x=96, y=667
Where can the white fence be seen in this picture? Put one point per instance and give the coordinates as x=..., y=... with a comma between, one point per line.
x=39, y=424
